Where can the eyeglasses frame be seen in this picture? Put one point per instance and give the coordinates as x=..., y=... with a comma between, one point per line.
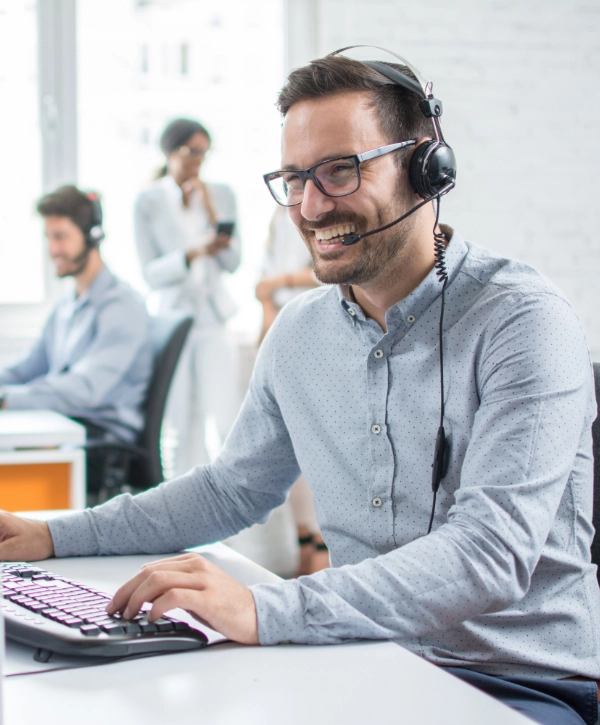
x=357, y=160
x=186, y=152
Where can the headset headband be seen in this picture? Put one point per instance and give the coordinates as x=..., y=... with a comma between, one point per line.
x=430, y=107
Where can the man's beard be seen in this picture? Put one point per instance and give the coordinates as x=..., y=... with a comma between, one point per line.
x=76, y=264
x=377, y=252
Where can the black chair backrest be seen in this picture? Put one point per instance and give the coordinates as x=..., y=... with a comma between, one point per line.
x=596, y=449
x=168, y=334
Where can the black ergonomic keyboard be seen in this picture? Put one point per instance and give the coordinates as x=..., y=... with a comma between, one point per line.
x=55, y=614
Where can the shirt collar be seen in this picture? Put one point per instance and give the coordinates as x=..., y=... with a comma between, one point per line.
x=96, y=291
x=412, y=307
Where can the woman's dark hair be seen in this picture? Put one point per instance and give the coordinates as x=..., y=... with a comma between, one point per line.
x=178, y=132
x=68, y=201
x=397, y=108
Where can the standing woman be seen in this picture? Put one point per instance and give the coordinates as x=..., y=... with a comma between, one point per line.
x=184, y=259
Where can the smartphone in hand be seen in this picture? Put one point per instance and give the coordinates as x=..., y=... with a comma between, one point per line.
x=225, y=228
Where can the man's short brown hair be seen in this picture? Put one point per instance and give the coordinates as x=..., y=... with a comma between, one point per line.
x=397, y=108
x=68, y=201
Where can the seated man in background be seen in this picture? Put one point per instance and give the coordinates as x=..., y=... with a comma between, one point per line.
x=93, y=359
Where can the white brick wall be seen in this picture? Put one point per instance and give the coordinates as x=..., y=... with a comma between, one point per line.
x=519, y=82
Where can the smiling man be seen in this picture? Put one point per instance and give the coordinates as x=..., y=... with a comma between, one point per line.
x=346, y=390
x=93, y=359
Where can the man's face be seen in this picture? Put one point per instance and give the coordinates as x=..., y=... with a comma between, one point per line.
x=343, y=125
x=66, y=245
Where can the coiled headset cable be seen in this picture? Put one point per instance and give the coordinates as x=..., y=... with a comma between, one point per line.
x=442, y=447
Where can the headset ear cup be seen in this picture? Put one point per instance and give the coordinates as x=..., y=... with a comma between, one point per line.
x=432, y=167
x=94, y=237
x=417, y=168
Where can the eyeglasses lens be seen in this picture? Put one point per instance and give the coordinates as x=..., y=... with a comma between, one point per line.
x=336, y=178
x=194, y=153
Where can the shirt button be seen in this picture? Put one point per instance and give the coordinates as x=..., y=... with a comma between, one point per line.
x=378, y=354
x=351, y=311
x=377, y=502
x=376, y=429
x=411, y=319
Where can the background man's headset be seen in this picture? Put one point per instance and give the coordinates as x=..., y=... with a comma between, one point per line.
x=432, y=173
x=95, y=234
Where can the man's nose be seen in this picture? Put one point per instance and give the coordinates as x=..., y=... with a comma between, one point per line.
x=314, y=202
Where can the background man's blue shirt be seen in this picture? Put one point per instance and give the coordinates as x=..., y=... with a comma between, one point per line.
x=504, y=583
x=93, y=359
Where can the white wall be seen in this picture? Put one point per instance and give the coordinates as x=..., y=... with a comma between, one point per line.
x=519, y=82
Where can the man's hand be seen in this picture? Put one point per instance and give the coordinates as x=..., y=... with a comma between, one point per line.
x=24, y=539
x=194, y=584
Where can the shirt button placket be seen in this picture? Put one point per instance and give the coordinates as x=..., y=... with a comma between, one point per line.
x=382, y=460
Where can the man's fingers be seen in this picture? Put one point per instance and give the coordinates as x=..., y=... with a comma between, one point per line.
x=155, y=584
x=183, y=563
x=188, y=599
x=123, y=594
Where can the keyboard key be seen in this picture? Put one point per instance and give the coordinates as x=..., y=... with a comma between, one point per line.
x=164, y=625
x=112, y=628
x=60, y=617
x=89, y=629
x=132, y=627
x=181, y=626
x=101, y=618
x=148, y=627
x=37, y=607
x=28, y=573
x=73, y=622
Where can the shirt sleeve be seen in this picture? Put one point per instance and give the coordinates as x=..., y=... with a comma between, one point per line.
x=32, y=366
x=122, y=329
x=532, y=416
x=252, y=475
x=160, y=270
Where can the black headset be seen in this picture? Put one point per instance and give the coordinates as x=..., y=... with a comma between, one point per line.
x=95, y=234
x=432, y=173
x=432, y=169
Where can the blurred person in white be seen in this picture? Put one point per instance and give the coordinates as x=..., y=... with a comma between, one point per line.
x=183, y=259
x=287, y=272
x=93, y=359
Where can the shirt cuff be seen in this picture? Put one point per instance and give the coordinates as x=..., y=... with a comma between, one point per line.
x=280, y=613
x=175, y=266
x=73, y=535
x=19, y=397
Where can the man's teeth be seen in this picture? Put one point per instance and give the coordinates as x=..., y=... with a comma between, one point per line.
x=339, y=231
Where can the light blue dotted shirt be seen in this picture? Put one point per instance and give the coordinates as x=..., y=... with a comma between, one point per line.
x=504, y=583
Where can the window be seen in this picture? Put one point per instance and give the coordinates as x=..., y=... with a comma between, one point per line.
x=21, y=243
x=185, y=59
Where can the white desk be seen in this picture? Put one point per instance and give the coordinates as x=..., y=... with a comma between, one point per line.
x=42, y=464
x=230, y=684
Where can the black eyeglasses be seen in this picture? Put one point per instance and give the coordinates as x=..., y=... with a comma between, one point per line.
x=334, y=177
